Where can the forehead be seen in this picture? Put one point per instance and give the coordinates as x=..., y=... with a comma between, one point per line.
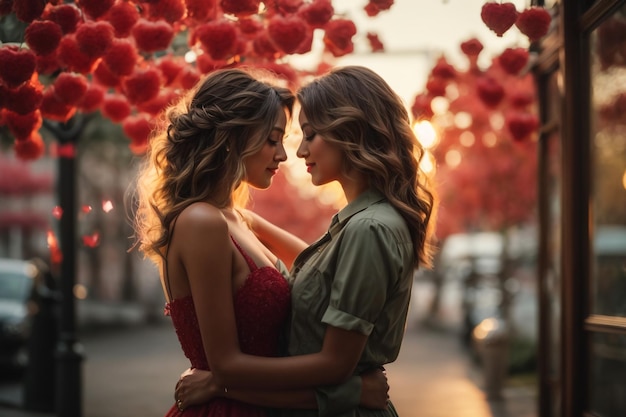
x=281, y=120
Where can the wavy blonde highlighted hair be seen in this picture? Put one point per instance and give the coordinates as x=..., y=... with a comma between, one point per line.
x=356, y=110
x=200, y=155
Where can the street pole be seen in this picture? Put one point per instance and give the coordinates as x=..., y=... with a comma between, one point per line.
x=69, y=354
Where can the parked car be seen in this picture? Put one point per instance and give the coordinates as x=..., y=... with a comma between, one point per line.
x=17, y=280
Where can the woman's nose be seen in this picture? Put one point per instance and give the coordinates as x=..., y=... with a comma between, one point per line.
x=302, y=151
x=281, y=153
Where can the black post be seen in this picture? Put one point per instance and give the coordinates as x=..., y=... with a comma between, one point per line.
x=69, y=352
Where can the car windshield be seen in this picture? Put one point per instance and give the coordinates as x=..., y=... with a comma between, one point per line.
x=13, y=286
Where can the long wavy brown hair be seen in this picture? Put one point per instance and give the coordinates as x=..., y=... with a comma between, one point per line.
x=355, y=109
x=199, y=154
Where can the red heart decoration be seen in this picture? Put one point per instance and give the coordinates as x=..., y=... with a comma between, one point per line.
x=138, y=128
x=499, y=17
x=94, y=38
x=287, y=33
x=534, y=23
x=490, y=91
x=142, y=85
x=513, y=60
x=69, y=88
x=152, y=36
x=521, y=125
x=338, y=36
x=17, y=66
x=218, y=39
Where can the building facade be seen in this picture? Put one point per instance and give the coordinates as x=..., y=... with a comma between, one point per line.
x=581, y=78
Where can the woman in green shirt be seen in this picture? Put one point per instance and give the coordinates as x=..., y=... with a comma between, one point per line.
x=350, y=289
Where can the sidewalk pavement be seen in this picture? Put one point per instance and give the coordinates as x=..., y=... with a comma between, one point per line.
x=433, y=377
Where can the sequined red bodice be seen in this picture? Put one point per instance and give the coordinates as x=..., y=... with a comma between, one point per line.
x=261, y=310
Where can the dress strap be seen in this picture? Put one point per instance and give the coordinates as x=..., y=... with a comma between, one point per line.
x=248, y=259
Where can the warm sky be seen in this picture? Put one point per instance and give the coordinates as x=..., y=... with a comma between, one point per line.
x=417, y=32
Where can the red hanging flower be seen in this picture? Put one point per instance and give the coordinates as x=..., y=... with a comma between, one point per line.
x=318, y=13
x=421, y=108
x=30, y=148
x=534, y=23
x=54, y=109
x=71, y=57
x=152, y=36
x=116, y=107
x=92, y=99
x=287, y=33
x=374, y=7
x=67, y=16
x=18, y=65
x=94, y=38
x=169, y=10
x=512, y=60
x=25, y=99
x=43, y=36
x=240, y=7
x=47, y=64
x=250, y=26
x=338, y=36
x=521, y=98
x=22, y=126
x=6, y=7
x=443, y=69
x=142, y=85
x=219, y=39
x=522, y=125
x=436, y=86
x=122, y=16
x=170, y=67
x=201, y=10
x=28, y=10
x=188, y=77
x=121, y=57
x=490, y=91
x=103, y=76
x=95, y=8
x=69, y=88
x=264, y=47
x=138, y=128
x=375, y=44
x=158, y=104
x=472, y=47
x=499, y=17
x=286, y=7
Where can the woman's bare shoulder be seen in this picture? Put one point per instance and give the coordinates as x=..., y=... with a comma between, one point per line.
x=202, y=217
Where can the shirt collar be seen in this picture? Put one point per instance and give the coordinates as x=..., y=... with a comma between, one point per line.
x=363, y=201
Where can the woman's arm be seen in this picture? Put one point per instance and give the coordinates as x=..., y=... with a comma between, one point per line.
x=197, y=387
x=282, y=243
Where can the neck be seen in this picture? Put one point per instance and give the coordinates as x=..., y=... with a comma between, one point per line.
x=353, y=188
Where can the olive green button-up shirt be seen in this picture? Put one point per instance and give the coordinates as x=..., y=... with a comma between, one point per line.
x=357, y=277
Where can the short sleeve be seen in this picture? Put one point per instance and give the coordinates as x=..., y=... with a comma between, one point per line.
x=367, y=261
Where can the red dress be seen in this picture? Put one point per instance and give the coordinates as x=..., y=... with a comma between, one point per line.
x=261, y=309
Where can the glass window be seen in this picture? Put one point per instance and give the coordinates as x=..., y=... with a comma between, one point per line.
x=608, y=147
x=608, y=367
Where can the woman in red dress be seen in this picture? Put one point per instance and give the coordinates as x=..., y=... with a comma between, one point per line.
x=224, y=290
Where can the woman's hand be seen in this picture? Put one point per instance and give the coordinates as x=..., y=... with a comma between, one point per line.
x=374, y=389
x=195, y=387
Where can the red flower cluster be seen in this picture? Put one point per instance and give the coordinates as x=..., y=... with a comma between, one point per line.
x=117, y=56
x=533, y=22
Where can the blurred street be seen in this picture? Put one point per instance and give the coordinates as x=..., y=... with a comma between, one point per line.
x=130, y=370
